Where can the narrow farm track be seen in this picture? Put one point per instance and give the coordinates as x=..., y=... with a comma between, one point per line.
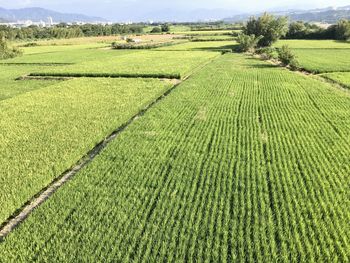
x=240, y=163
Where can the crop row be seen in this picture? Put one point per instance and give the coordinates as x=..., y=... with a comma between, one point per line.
x=240, y=163
x=45, y=132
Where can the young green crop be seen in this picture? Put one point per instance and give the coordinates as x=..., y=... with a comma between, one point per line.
x=45, y=132
x=323, y=60
x=10, y=87
x=342, y=78
x=66, y=55
x=166, y=64
x=314, y=44
x=243, y=162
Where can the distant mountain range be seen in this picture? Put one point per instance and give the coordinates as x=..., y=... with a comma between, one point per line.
x=326, y=15
x=37, y=14
x=181, y=15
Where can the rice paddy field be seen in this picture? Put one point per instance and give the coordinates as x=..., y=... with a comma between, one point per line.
x=236, y=160
x=342, y=78
x=320, y=56
x=169, y=64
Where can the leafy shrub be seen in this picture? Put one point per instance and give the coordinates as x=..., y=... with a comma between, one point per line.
x=156, y=30
x=31, y=44
x=267, y=53
x=7, y=52
x=247, y=43
x=286, y=56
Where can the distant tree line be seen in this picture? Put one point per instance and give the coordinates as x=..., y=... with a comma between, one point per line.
x=68, y=31
x=301, y=30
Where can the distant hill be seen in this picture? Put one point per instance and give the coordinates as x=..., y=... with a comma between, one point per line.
x=327, y=15
x=180, y=15
x=37, y=14
x=3, y=20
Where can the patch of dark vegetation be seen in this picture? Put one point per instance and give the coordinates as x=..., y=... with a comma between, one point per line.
x=116, y=45
x=31, y=44
x=211, y=39
x=107, y=75
x=36, y=64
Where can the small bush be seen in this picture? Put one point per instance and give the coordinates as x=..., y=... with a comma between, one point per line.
x=286, y=56
x=267, y=53
x=165, y=28
x=225, y=51
x=8, y=52
x=247, y=43
x=156, y=30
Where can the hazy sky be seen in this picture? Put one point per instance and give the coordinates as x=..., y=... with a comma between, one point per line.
x=112, y=8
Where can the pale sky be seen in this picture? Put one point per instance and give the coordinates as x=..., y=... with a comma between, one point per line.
x=113, y=8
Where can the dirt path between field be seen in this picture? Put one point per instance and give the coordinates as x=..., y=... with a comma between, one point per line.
x=21, y=214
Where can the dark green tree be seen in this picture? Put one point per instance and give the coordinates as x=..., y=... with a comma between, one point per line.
x=268, y=26
x=297, y=30
x=165, y=28
x=343, y=30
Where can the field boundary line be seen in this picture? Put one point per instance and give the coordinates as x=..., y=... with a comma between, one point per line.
x=43, y=195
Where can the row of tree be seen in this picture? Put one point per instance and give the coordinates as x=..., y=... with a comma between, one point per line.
x=301, y=30
x=65, y=31
x=267, y=29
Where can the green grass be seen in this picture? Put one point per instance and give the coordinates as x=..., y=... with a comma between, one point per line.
x=323, y=60
x=70, y=55
x=322, y=44
x=244, y=162
x=45, y=132
x=138, y=63
x=340, y=77
x=10, y=87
